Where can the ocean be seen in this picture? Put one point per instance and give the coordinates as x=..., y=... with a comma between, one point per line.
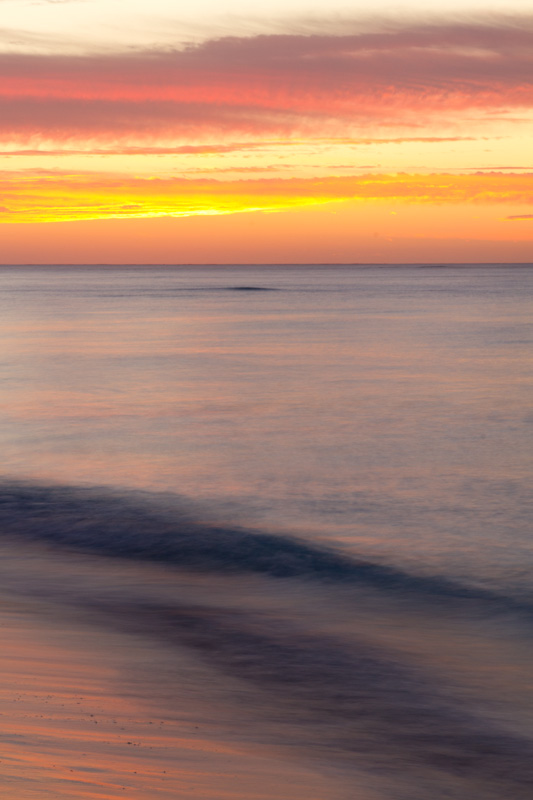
x=266, y=532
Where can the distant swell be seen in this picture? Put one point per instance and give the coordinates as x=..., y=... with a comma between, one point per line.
x=108, y=524
x=250, y=289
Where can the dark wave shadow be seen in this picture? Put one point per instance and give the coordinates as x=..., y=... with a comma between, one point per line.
x=109, y=524
x=251, y=289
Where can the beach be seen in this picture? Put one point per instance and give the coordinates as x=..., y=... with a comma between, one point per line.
x=89, y=714
x=265, y=533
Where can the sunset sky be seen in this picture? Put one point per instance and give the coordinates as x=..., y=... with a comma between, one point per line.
x=301, y=131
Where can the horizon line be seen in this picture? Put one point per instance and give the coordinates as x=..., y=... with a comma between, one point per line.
x=276, y=264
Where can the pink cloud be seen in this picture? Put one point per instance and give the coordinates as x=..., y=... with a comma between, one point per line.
x=144, y=150
x=271, y=84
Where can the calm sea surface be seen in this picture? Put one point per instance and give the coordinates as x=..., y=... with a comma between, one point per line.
x=314, y=481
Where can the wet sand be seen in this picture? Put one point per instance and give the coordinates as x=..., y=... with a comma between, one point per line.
x=72, y=726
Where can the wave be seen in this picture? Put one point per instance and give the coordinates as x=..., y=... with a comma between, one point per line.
x=106, y=523
x=344, y=698
x=315, y=680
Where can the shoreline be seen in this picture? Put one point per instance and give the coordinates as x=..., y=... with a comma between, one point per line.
x=69, y=732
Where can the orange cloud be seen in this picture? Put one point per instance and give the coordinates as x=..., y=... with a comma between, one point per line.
x=53, y=196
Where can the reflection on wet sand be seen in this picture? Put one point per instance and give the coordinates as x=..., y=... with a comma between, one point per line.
x=73, y=727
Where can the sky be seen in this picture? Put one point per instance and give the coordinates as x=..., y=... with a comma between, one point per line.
x=301, y=131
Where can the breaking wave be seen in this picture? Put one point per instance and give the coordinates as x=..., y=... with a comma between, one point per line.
x=117, y=525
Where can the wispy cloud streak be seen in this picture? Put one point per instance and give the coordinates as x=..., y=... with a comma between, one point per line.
x=233, y=147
